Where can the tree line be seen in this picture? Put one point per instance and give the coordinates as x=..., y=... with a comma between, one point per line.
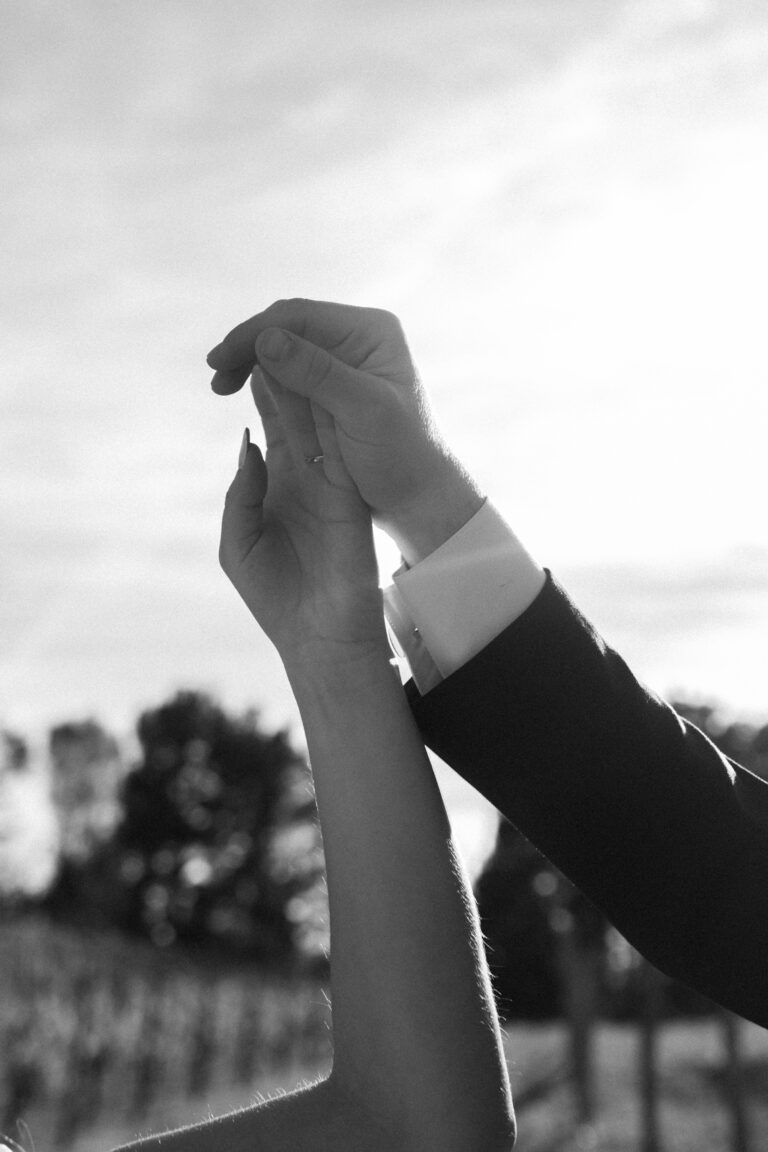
x=210, y=841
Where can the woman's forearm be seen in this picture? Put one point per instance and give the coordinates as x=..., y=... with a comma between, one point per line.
x=416, y=1037
x=418, y=1060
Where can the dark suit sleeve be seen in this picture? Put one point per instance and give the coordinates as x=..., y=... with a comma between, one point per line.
x=631, y=802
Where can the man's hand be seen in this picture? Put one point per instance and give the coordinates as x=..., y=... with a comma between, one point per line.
x=355, y=364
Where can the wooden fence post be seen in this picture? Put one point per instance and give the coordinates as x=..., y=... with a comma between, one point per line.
x=653, y=983
x=733, y=1082
x=579, y=974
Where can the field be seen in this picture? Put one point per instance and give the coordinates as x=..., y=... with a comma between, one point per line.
x=102, y=1042
x=692, y=1116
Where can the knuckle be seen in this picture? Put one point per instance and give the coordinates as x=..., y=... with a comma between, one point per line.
x=290, y=312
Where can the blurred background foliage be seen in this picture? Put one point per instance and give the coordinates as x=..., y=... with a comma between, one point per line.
x=180, y=947
x=534, y=919
x=210, y=839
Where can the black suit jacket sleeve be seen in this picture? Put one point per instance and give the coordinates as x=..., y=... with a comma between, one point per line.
x=631, y=802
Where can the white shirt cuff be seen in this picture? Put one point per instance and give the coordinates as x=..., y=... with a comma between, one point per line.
x=450, y=605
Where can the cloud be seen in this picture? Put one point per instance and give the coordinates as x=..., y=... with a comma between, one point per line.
x=729, y=588
x=698, y=627
x=474, y=165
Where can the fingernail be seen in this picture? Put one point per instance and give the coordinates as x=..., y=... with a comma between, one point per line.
x=244, y=448
x=273, y=344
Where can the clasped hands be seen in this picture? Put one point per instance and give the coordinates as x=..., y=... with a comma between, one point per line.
x=335, y=381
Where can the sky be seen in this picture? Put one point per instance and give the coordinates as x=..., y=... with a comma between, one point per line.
x=565, y=205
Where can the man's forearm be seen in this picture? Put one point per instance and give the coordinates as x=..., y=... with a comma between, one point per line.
x=633, y=805
x=415, y=1029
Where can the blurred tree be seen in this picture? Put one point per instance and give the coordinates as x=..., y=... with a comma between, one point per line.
x=194, y=857
x=14, y=754
x=28, y=835
x=13, y=758
x=86, y=771
x=516, y=925
x=546, y=951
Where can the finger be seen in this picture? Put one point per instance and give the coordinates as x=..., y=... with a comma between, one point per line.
x=274, y=433
x=280, y=455
x=225, y=383
x=235, y=356
x=309, y=370
x=296, y=419
x=242, y=522
x=322, y=321
x=233, y=359
x=333, y=464
x=237, y=349
x=297, y=423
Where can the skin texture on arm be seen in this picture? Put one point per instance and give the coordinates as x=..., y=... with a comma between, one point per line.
x=418, y=1060
x=308, y=1120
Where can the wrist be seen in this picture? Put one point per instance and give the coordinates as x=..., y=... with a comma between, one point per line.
x=330, y=668
x=444, y=505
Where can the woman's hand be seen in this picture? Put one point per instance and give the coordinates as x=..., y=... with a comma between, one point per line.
x=297, y=540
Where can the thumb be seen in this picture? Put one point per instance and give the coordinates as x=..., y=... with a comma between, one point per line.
x=242, y=523
x=312, y=371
